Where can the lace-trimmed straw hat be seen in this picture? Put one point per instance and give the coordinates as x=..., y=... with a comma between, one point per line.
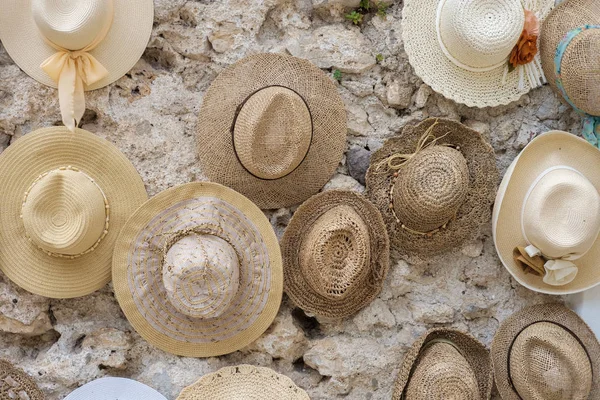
x=115, y=388
x=481, y=53
x=546, y=352
x=434, y=185
x=16, y=384
x=197, y=271
x=75, y=45
x=64, y=200
x=336, y=254
x=272, y=127
x=244, y=382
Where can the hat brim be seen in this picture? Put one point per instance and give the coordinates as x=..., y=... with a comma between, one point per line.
x=555, y=313
x=118, y=52
x=547, y=150
x=22, y=381
x=115, y=388
x=22, y=163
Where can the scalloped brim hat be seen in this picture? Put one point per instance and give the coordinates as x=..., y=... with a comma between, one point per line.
x=272, y=127
x=463, y=48
x=197, y=270
x=115, y=388
x=65, y=197
x=16, y=384
x=243, y=382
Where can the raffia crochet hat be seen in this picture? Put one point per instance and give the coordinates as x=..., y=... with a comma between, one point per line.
x=477, y=52
x=272, y=127
x=569, y=48
x=336, y=254
x=546, y=352
x=244, y=382
x=197, y=271
x=16, y=384
x=64, y=200
x=546, y=218
x=434, y=185
x=115, y=388
x=445, y=363
x=75, y=45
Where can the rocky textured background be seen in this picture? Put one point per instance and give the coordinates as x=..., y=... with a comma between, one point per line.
x=150, y=114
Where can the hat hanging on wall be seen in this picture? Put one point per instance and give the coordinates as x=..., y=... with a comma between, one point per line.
x=16, y=384
x=481, y=53
x=75, y=45
x=115, y=388
x=64, y=200
x=546, y=218
x=272, y=127
x=197, y=270
x=570, y=48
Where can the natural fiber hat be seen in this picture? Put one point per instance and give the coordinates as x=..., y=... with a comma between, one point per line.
x=115, y=388
x=445, y=363
x=75, y=45
x=546, y=352
x=197, y=271
x=65, y=197
x=336, y=254
x=546, y=218
x=434, y=185
x=15, y=384
x=243, y=382
x=272, y=127
x=569, y=48
x=477, y=52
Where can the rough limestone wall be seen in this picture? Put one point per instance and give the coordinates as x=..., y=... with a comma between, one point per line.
x=150, y=114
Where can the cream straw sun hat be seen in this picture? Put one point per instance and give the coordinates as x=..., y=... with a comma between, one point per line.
x=75, y=45
x=546, y=218
x=64, y=200
x=272, y=127
x=463, y=48
x=197, y=270
x=15, y=384
x=115, y=389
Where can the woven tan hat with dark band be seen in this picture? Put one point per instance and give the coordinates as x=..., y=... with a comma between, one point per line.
x=445, y=363
x=336, y=254
x=16, y=384
x=272, y=127
x=65, y=197
x=434, y=185
x=546, y=352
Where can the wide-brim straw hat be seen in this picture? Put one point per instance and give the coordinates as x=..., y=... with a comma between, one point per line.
x=336, y=254
x=272, y=127
x=115, y=388
x=441, y=196
x=16, y=384
x=243, y=382
x=461, y=47
x=238, y=241
x=89, y=174
x=445, y=363
x=545, y=153
x=554, y=354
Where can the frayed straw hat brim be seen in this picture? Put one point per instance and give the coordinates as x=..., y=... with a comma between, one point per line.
x=115, y=388
x=21, y=384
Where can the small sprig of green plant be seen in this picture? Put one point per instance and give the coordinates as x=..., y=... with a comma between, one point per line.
x=365, y=7
x=379, y=57
x=382, y=9
x=337, y=75
x=355, y=17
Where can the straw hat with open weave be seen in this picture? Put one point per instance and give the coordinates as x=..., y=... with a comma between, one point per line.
x=65, y=197
x=244, y=382
x=546, y=352
x=197, y=270
x=111, y=388
x=272, y=127
x=336, y=254
x=445, y=363
x=16, y=384
x=434, y=185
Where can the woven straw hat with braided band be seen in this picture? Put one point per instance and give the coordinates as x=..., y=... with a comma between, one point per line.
x=65, y=197
x=16, y=384
x=434, y=185
x=243, y=382
x=546, y=352
x=115, y=388
x=336, y=254
x=461, y=48
x=272, y=127
x=445, y=364
x=197, y=271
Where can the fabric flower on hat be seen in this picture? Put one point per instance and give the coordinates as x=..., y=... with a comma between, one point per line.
x=526, y=48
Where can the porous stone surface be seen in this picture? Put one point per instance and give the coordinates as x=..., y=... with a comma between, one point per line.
x=151, y=114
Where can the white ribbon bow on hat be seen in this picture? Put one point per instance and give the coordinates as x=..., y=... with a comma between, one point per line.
x=559, y=271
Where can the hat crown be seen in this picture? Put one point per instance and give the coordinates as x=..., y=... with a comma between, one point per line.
x=272, y=132
x=430, y=188
x=72, y=24
x=201, y=275
x=65, y=212
x=479, y=34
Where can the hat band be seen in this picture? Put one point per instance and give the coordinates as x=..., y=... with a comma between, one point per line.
x=591, y=124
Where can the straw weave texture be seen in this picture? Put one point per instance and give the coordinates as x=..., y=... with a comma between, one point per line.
x=15, y=384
